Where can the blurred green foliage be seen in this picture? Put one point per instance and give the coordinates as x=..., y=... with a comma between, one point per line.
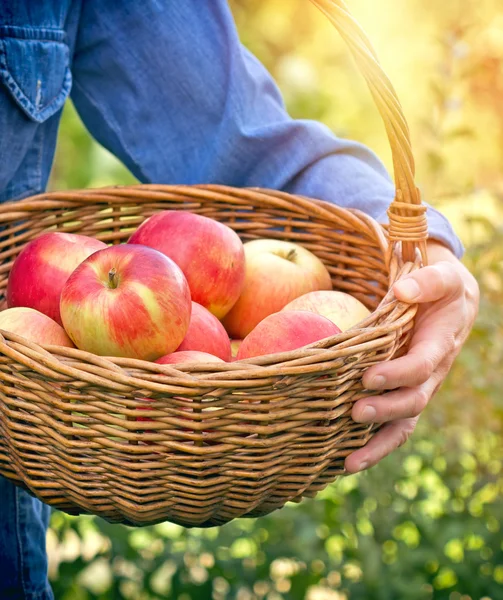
x=426, y=522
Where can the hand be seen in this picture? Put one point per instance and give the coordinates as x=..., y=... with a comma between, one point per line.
x=448, y=298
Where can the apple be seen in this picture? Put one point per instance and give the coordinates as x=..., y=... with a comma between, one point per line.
x=235, y=344
x=42, y=268
x=127, y=300
x=277, y=272
x=284, y=331
x=34, y=326
x=206, y=334
x=187, y=356
x=209, y=253
x=342, y=309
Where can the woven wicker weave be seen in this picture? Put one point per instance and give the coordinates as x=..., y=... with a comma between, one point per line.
x=257, y=433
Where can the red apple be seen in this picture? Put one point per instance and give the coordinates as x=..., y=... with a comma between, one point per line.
x=128, y=301
x=187, y=356
x=209, y=253
x=206, y=334
x=42, y=268
x=342, y=309
x=277, y=272
x=34, y=326
x=285, y=331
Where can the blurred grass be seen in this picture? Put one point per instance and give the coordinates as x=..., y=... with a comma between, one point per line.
x=426, y=522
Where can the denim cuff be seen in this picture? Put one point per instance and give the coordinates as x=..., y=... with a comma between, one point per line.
x=43, y=595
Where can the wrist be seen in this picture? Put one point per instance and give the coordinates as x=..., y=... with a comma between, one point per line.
x=437, y=251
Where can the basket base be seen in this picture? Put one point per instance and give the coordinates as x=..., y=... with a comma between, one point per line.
x=217, y=513
x=117, y=518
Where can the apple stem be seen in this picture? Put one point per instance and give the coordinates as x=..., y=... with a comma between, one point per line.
x=291, y=254
x=112, y=278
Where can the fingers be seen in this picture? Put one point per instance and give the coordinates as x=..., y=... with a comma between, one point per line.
x=385, y=441
x=404, y=403
x=400, y=411
x=442, y=324
x=417, y=366
x=429, y=284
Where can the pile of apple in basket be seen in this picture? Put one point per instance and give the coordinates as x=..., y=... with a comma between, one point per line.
x=184, y=288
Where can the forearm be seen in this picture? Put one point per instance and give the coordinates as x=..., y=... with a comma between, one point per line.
x=353, y=177
x=178, y=112
x=437, y=251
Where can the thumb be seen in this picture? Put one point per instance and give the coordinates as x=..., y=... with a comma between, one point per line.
x=429, y=284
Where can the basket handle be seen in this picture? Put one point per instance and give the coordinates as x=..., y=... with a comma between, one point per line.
x=407, y=218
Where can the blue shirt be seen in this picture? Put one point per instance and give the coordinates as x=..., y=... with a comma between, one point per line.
x=167, y=87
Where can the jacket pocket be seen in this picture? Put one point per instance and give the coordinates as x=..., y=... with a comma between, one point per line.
x=35, y=68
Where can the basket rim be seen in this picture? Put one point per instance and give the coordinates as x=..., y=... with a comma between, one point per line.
x=331, y=341
x=143, y=193
x=391, y=314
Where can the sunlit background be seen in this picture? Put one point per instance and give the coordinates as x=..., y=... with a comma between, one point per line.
x=425, y=523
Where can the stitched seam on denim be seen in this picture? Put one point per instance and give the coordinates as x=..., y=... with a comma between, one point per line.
x=115, y=128
x=21, y=96
x=48, y=34
x=41, y=131
x=18, y=536
x=28, y=104
x=45, y=594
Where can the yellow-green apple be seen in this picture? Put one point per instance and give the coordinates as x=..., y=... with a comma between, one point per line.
x=235, y=347
x=342, y=309
x=284, y=331
x=42, y=268
x=34, y=326
x=209, y=253
x=277, y=272
x=206, y=334
x=127, y=300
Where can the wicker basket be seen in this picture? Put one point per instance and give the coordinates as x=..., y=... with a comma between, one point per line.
x=260, y=432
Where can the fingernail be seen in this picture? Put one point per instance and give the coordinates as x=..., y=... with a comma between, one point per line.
x=363, y=465
x=368, y=414
x=377, y=382
x=408, y=289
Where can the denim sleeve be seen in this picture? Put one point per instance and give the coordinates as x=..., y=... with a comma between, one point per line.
x=168, y=88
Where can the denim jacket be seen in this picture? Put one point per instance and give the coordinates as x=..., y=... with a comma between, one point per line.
x=168, y=88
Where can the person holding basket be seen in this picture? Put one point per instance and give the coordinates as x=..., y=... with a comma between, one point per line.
x=169, y=89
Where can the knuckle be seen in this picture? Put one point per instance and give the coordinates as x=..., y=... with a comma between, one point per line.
x=458, y=344
x=426, y=368
x=389, y=413
x=420, y=400
x=438, y=385
x=457, y=280
x=472, y=295
x=406, y=431
x=403, y=437
x=440, y=271
x=449, y=279
x=451, y=344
